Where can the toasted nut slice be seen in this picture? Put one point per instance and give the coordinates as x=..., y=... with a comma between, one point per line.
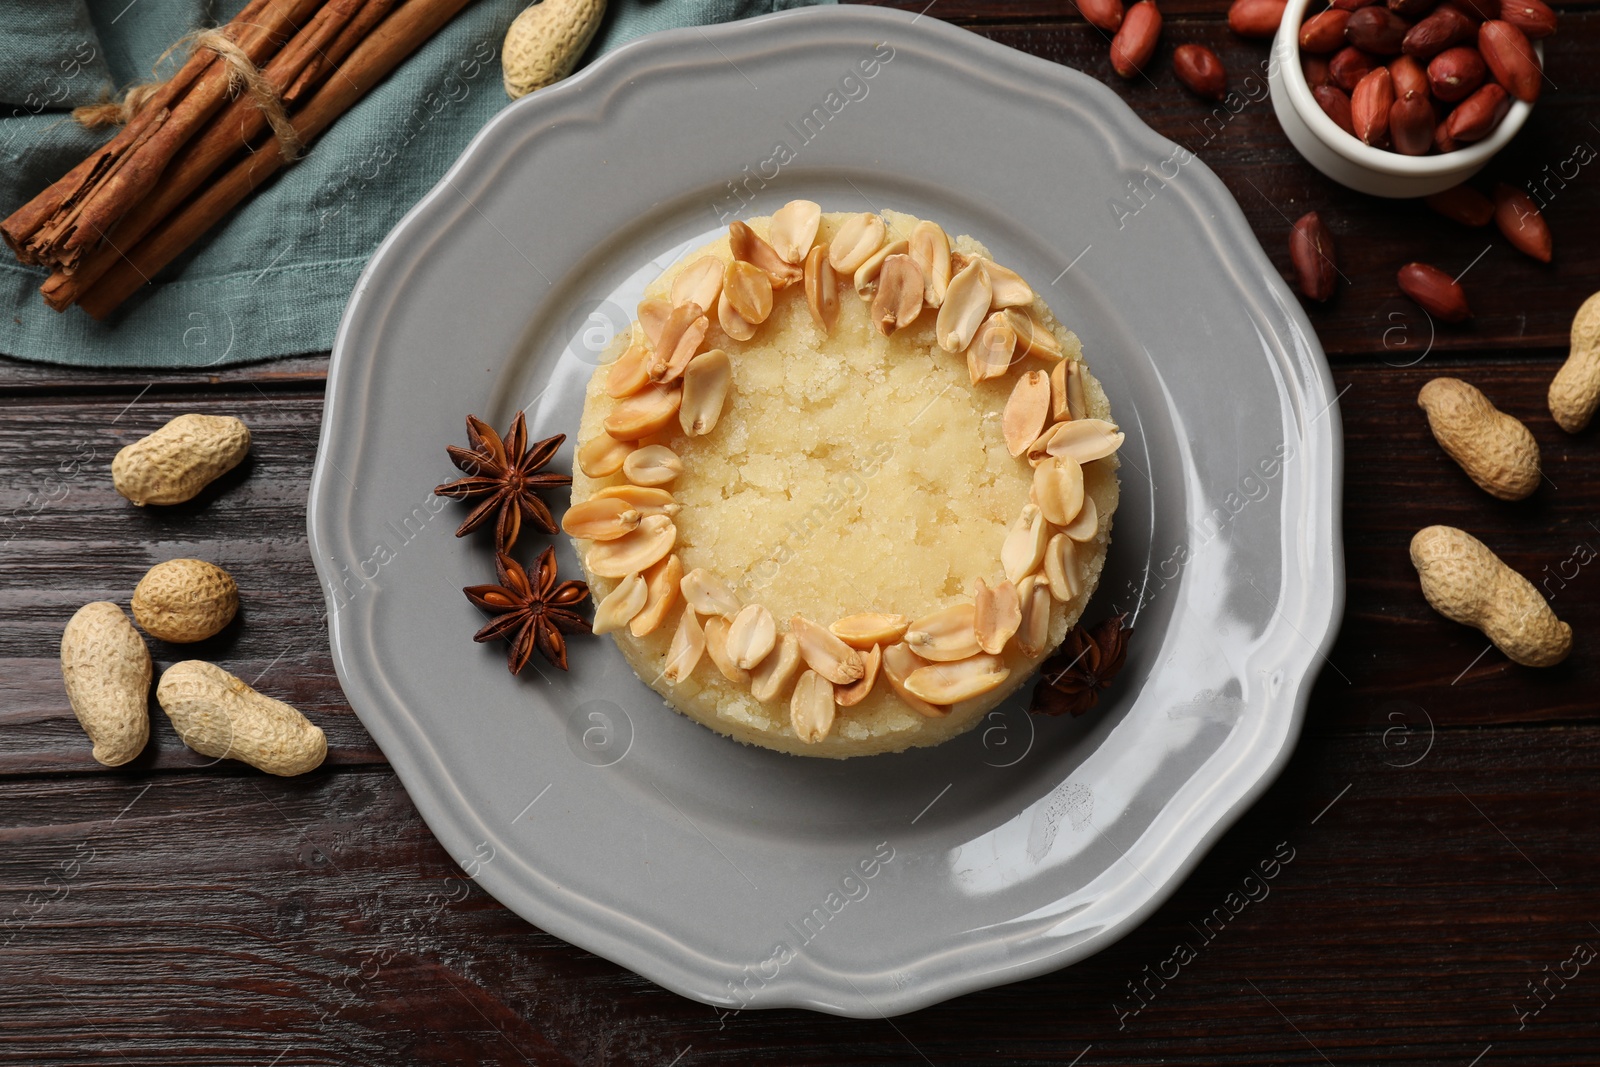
x=966, y=303
x=898, y=663
x=1029, y=405
x=1061, y=568
x=1023, y=549
x=601, y=519
x=688, y=645
x=708, y=594
x=650, y=410
x=870, y=628
x=867, y=274
x=1060, y=409
x=1007, y=289
x=811, y=708
x=794, y=229
x=1080, y=440
x=1058, y=486
x=749, y=291
x=930, y=247
x=620, y=605
x=751, y=635
x=825, y=653
x=698, y=283
x=951, y=683
x=661, y=587
x=1033, y=337
x=733, y=324
x=602, y=455
x=637, y=551
x=706, y=381
x=653, y=313
x=945, y=635
x=1077, y=407
x=822, y=289
x=992, y=349
x=630, y=373
x=747, y=247
x=652, y=465
x=774, y=674
x=1039, y=450
x=1087, y=525
x=899, y=298
x=998, y=613
x=644, y=500
x=855, y=242
x=1034, y=633
x=848, y=696
x=680, y=339
x=717, y=648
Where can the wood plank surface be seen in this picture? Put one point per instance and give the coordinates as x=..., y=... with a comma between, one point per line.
x=1439, y=808
x=22, y=378
x=1517, y=302
x=980, y=14
x=1398, y=480
x=224, y=918
x=70, y=539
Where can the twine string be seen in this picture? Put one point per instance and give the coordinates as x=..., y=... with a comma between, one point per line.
x=243, y=76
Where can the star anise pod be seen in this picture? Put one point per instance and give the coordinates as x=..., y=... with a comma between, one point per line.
x=530, y=613
x=505, y=473
x=1088, y=660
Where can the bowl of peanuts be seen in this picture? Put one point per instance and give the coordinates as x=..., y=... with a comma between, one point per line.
x=1409, y=97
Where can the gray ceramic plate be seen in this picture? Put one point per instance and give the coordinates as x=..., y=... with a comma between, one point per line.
x=742, y=877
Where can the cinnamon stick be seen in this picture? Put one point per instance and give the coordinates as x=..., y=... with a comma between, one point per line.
x=23, y=223
x=370, y=15
x=391, y=42
x=322, y=41
x=20, y=226
x=83, y=220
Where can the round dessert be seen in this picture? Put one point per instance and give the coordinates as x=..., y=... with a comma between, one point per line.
x=844, y=485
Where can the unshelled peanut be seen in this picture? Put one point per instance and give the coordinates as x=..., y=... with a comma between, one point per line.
x=546, y=41
x=1575, y=392
x=220, y=716
x=1495, y=449
x=184, y=600
x=1466, y=582
x=107, y=669
x=173, y=464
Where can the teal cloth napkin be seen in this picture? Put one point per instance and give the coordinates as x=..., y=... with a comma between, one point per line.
x=271, y=279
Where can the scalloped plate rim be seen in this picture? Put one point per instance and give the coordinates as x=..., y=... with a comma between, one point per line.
x=582, y=926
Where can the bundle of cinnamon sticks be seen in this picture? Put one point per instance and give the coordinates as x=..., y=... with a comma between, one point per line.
x=242, y=105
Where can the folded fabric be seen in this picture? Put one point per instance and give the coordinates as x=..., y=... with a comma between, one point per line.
x=271, y=279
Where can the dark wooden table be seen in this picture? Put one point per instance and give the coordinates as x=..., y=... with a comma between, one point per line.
x=1441, y=808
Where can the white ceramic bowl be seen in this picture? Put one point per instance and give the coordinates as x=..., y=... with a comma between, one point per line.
x=1345, y=159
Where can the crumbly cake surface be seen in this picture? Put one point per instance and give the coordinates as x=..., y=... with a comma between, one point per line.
x=849, y=472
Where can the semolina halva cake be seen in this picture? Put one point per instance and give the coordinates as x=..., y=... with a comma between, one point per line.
x=844, y=484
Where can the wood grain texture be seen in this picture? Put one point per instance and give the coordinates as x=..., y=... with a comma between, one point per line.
x=1517, y=302
x=21, y=378
x=1397, y=481
x=983, y=12
x=69, y=538
x=225, y=918
x=1439, y=808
